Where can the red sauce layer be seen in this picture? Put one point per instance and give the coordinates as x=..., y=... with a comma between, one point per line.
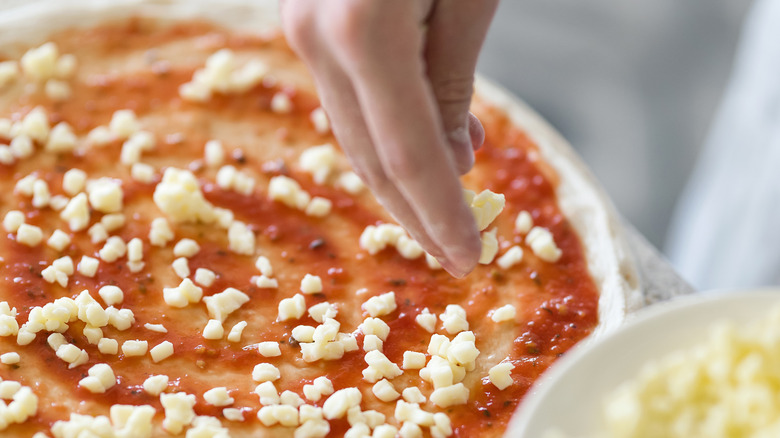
x=557, y=302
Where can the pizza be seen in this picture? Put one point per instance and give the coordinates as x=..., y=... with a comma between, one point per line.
x=186, y=251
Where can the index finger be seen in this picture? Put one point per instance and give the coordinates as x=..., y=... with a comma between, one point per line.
x=401, y=113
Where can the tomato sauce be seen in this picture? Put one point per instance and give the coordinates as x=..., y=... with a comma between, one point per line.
x=557, y=302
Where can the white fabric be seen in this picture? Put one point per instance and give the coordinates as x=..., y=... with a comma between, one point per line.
x=726, y=231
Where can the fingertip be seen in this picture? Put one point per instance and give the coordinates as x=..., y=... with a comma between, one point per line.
x=463, y=255
x=476, y=132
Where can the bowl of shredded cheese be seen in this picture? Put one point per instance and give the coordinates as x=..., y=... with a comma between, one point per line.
x=706, y=365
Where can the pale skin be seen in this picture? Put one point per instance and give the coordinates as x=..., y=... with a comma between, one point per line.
x=396, y=78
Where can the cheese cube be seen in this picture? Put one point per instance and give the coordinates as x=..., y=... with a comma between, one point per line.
x=269, y=349
x=265, y=372
x=155, y=384
x=134, y=348
x=500, y=375
x=213, y=329
x=380, y=305
x=218, y=397
x=161, y=351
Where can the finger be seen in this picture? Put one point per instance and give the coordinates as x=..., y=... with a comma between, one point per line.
x=402, y=117
x=476, y=132
x=456, y=31
x=344, y=111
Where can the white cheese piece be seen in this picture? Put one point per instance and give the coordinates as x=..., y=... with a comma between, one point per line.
x=265, y=372
x=213, y=154
x=453, y=395
x=40, y=63
x=21, y=147
x=134, y=348
x=10, y=358
x=236, y=331
x=123, y=123
x=511, y=257
x=319, y=161
x=205, y=277
x=160, y=232
x=413, y=360
x=155, y=384
x=181, y=267
x=183, y=294
x=161, y=351
x=41, y=194
x=351, y=183
x=375, y=326
x=379, y=366
x=29, y=235
x=524, y=222
x=58, y=240
x=88, y=266
x=287, y=191
x=178, y=411
x=320, y=121
x=213, y=329
x=233, y=414
x=241, y=239
x=413, y=394
x=318, y=207
x=76, y=213
x=179, y=196
x=186, y=248
x=380, y=305
x=105, y=195
x=111, y=294
x=311, y=284
x=292, y=308
x=61, y=139
x=9, y=72
x=372, y=342
x=108, y=346
x=501, y=375
x=269, y=349
x=542, y=244
x=222, y=304
x=281, y=103
x=264, y=282
x=489, y=247
x=13, y=220
x=384, y=391
x=337, y=405
x=218, y=396
x=485, y=206
x=504, y=313
x=319, y=312
x=267, y=393
x=142, y=173
x=114, y=248
x=454, y=319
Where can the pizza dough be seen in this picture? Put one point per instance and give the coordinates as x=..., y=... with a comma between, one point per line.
x=297, y=245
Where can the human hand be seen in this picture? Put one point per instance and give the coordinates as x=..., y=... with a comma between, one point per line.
x=396, y=78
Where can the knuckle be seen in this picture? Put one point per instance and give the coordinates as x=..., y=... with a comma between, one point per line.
x=299, y=25
x=349, y=25
x=454, y=90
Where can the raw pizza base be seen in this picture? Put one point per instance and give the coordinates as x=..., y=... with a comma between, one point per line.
x=581, y=198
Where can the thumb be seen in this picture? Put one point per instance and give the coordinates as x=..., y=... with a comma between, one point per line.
x=456, y=31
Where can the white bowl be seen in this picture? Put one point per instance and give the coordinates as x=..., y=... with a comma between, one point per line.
x=570, y=395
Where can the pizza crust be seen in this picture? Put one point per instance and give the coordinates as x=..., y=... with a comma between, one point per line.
x=586, y=205
x=581, y=198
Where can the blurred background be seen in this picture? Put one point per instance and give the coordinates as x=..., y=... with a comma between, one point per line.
x=633, y=85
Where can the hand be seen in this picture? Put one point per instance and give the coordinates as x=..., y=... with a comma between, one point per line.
x=396, y=79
